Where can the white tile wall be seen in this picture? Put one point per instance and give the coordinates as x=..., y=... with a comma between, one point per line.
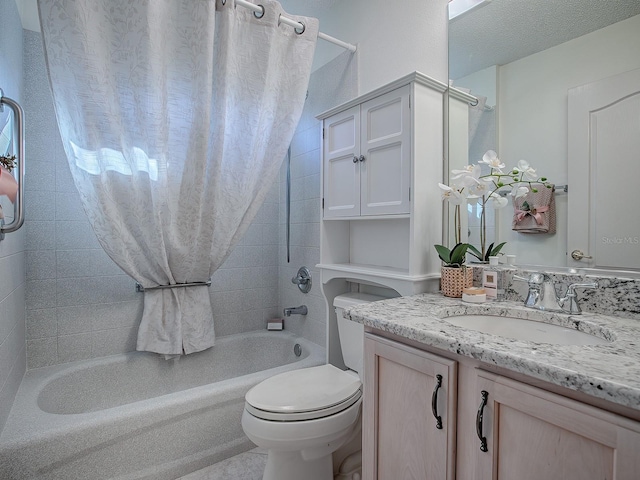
x=329, y=86
x=12, y=255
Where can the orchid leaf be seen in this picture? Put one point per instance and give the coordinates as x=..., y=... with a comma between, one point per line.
x=444, y=253
x=497, y=248
x=475, y=252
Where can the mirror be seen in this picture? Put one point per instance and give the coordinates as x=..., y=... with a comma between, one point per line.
x=520, y=58
x=8, y=184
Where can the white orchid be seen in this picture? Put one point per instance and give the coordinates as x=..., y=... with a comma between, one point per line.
x=491, y=158
x=452, y=195
x=468, y=183
x=472, y=171
x=528, y=173
x=480, y=187
x=496, y=201
x=518, y=191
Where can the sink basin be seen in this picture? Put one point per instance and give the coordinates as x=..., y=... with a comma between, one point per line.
x=522, y=329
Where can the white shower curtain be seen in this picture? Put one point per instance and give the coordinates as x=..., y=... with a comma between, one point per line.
x=175, y=117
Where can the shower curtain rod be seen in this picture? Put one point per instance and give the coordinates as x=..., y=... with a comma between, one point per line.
x=258, y=11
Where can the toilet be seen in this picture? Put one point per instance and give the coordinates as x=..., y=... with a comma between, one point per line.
x=303, y=416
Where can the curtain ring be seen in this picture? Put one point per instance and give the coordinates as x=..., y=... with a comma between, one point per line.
x=300, y=31
x=255, y=14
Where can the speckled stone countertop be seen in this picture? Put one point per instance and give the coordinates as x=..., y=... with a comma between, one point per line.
x=609, y=371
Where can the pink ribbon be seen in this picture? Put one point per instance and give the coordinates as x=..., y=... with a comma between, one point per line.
x=534, y=212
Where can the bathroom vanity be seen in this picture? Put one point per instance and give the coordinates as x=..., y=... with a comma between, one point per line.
x=445, y=402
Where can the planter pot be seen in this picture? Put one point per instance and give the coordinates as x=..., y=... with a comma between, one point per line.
x=454, y=280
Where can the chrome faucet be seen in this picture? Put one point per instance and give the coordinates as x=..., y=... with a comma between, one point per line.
x=301, y=310
x=542, y=294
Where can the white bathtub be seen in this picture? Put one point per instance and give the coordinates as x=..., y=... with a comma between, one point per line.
x=137, y=416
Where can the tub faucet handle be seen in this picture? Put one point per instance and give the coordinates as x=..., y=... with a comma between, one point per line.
x=303, y=279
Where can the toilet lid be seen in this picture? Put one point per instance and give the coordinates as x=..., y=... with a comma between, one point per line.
x=305, y=390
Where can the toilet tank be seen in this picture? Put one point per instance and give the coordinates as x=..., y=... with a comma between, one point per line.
x=352, y=333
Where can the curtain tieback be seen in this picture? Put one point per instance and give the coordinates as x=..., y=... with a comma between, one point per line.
x=140, y=288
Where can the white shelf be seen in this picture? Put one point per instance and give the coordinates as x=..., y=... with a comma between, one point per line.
x=369, y=217
x=396, y=278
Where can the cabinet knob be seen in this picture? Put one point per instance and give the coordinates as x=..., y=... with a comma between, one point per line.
x=361, y=158
x=355, y=159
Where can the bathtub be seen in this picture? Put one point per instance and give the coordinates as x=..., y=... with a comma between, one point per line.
x=137, y=416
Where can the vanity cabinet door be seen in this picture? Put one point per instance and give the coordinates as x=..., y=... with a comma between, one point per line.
x=401, y=438
x=532, y=434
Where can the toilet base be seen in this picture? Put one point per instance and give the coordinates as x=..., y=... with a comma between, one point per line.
x=291, y=466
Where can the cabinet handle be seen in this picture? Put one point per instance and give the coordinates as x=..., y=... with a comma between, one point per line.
x=479, y=420
x=434, y=402
x=355, y=159
x=362, y=159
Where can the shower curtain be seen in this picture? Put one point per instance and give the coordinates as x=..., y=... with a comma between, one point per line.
x=175, y=117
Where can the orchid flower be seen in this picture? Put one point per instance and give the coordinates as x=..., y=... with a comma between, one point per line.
x=495, y=200
x=528, y=172
x=452, y=195
x=469, y=183
x=491, y=158
x=480, y=187
x=467, y=171
x=519, y=191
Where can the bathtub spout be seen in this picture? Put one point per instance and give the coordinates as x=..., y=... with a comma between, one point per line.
x=301, y=310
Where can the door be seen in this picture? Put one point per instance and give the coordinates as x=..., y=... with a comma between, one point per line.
x=532, y=434
x=405, y=389
x=341, y=146
x=603, y=158
x=386, y=154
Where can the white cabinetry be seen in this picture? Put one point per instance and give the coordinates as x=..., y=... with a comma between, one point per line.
x=505, y=429
x=382, y=161
x=382, y=212
x=367, y=158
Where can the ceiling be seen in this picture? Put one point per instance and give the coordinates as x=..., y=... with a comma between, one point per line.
x=505, y=30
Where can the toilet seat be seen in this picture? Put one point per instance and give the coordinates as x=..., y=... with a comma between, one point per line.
x=304, y=394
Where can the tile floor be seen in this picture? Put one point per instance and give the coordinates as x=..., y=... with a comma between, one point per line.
x=246, y=466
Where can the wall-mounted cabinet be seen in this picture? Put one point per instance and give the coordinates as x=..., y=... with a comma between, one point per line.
x=367, y=158
x=382, y=161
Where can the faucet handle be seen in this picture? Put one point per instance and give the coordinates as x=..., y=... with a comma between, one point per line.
x=535, y=279
x=572, y=287
x=569, y=302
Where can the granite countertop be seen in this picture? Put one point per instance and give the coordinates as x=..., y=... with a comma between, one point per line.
x=609, y=371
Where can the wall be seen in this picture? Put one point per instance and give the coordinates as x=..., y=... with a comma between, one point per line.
x=533, y=118
x=393, y=38
x=79, y=303
x=334, y=83
x=12, y=256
